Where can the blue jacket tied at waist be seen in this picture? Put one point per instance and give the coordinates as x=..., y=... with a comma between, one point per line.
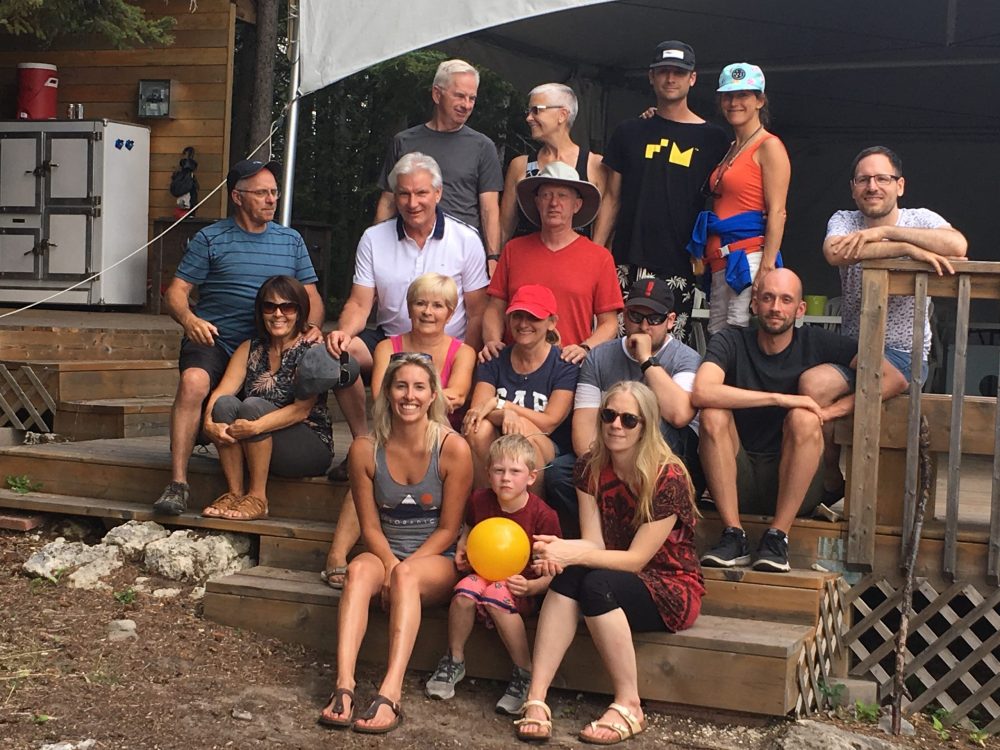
x=738, y=227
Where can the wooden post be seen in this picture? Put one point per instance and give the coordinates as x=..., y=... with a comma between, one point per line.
x=913, y=421
x=867, y=419
x=950, y=563
x=993, y=565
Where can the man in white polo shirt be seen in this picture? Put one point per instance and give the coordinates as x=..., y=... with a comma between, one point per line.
x=419, y=239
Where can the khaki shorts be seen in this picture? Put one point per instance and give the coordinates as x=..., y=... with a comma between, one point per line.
x=757, y=485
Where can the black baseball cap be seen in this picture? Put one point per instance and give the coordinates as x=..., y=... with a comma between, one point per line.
x=675, y=54
x=652, y=293
x=243, y=169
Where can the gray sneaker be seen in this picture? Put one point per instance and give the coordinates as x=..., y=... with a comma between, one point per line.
x=512, y=701
x=174, y=499
x=441, y=685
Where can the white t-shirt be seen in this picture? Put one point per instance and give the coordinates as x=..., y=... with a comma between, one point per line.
x=899, y=313
x=388, y=260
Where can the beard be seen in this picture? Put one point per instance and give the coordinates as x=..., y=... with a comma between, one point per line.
x=775, y=326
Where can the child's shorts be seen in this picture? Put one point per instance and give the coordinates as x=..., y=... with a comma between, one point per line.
x=493, y=594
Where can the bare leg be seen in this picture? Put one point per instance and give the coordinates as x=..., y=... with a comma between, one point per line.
x=414, y=583
x=717, y=447
x=510, y=627
x=364, y=582
x=352, y=399
x=231, y=461
x=461, y=620
x=546, y=451
x=801, y=449
x=556, y=628
x=480, y=442
x=345, y=535
x=185, y=419
x=825, y=384
x=613, y=640
x=258, y=455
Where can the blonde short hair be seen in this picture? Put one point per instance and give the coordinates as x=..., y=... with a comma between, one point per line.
x=435, y=284
x=514, y=447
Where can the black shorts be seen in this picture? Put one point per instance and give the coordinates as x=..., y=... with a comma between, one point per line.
x=211, y=359
x=372, y=337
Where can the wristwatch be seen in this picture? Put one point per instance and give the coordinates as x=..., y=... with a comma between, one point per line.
x=651, y=362
x=500, y=403
x=493, y=256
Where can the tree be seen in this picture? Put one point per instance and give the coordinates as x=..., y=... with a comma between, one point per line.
x=263, y=86
x=123, y=24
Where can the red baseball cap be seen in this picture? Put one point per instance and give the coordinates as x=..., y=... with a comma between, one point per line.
x=534, y=299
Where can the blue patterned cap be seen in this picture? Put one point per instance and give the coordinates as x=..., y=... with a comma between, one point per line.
x=741, y=76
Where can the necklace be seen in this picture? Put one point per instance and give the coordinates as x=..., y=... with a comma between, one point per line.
x=727, y=162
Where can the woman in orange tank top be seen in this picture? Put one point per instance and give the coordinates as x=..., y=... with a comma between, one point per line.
x=750, y=183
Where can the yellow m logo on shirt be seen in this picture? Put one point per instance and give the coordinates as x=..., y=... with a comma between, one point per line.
x=676, y=156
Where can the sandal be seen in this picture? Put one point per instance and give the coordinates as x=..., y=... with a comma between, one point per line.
x=626, y=731
x=543, y=724
x=221, y=504
x=334, y=577
x=337, y=699
x=368, y=715
x=249, y=508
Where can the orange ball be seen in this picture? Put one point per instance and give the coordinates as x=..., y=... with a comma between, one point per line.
x=498, y=548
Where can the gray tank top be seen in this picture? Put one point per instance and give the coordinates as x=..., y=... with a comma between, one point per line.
x=409, y=512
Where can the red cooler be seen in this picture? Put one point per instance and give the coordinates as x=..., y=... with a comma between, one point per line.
x=37, y=90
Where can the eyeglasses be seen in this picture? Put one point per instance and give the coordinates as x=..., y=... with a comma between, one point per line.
x=424, y=356
x=629, y=421
x=262, y=192
x=534, y=109
x=654, y=319
x=285, y=308
x=882, y=180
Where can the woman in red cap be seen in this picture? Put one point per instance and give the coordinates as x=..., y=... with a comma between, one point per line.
x=527, y=389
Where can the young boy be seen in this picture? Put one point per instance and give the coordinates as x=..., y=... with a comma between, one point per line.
x=499, y=604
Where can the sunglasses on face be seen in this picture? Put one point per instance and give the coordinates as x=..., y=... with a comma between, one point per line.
x=411, y=355
x=654, y=319
x=629, y=421
x=536, y=108
x=285, y=308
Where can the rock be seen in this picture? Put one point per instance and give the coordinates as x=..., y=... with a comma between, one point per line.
x=166, y=593
x=88, y=563
x=84, y=745
x=75, y=530
x=197, y=593
x=132, y=537
x=905, y=728
x=815, y=735
x=186, y=555
x=121, y=630
x=240, y=715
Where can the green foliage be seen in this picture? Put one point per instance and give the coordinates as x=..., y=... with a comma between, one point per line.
x=22, y=484
x=831, y=693
x=121, y=22
x=979, y=737
x=127, y=596
x=938, y=719
x=41, y=718
x=866, y=712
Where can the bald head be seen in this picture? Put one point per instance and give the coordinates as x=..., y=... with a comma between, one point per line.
x=782, y=281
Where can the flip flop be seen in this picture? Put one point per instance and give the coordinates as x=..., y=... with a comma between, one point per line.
x=369, y=714
x=334, y=577
x=626, y=731
x=221, y=504
x=337, y=699
x=543, y=724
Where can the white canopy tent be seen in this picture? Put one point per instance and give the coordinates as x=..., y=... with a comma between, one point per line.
x=918, y=76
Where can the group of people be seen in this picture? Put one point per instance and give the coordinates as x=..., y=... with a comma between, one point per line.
x=528, y=361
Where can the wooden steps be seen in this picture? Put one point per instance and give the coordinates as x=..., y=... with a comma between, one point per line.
x=754, y=662
x=114, y=417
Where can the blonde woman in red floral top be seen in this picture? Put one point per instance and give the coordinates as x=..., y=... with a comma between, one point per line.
x=253, y=417
x=634, y=570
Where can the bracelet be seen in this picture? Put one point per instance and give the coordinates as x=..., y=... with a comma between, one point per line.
x=584, y=345
x=493, y=256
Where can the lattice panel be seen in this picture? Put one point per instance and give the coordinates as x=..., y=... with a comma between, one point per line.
x=25, y=401
x=952, y=650
x=818, y=660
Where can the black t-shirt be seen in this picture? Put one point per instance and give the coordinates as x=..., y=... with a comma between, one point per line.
x=735, y=350
x=663, y=165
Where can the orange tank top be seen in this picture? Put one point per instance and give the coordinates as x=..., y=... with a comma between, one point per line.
x=740, y=189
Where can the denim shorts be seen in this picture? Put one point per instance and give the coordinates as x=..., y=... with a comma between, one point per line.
x=899, y=359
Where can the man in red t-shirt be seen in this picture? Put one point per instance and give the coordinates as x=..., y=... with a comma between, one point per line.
x=580, y=274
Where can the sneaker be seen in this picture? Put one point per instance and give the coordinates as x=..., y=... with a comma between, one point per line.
x=772, y=553
x=174, y=499
x=441, y=685
x=732, y=550
x=513, y=699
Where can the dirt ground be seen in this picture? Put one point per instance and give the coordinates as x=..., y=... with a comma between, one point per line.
x=184, y=680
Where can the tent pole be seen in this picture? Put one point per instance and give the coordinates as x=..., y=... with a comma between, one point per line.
x=292, y=124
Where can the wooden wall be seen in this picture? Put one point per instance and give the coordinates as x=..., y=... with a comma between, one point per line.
x=106, y=82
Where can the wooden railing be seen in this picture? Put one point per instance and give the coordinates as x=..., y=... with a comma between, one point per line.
x=881, y=278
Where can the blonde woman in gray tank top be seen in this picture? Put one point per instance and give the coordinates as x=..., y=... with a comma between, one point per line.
x=410, y=480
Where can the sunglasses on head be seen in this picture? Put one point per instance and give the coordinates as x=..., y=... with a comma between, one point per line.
x=629, y=421
x=654, y=319
x=411, y=355
x=285, y=308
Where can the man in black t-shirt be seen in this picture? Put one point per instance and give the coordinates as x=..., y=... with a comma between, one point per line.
x=659, y=167
x=761, y=423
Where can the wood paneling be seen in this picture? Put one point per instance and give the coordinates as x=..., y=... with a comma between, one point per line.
x=106, y=82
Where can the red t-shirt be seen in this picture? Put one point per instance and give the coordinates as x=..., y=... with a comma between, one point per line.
x=536, y=517
x=582, y=277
